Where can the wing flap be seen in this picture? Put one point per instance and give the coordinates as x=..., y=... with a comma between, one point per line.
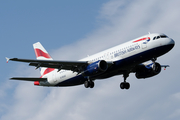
x=28, y=79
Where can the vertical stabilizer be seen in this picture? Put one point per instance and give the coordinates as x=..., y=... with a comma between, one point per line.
x=42, y=54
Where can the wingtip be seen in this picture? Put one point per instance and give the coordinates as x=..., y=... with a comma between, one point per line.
x=13, y=78
x=7, y=59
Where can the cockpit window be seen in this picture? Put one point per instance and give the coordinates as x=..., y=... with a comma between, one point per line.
x=163, y=36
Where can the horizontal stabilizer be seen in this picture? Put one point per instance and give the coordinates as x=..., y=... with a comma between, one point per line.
x=165, y=66
x=28, y=79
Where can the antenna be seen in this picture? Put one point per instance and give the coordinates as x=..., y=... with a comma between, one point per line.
x=149, y=32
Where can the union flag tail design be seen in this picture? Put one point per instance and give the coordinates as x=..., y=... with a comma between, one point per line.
x=42, y=54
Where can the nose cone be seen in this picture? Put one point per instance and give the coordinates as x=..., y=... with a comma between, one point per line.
x=171, y=43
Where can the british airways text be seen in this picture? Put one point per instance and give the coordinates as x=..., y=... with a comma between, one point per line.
x=129, y=49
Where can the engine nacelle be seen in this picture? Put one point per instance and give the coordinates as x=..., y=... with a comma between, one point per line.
x=148, y=70
x=95, y=68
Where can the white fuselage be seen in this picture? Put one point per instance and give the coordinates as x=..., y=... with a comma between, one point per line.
x=117, y=53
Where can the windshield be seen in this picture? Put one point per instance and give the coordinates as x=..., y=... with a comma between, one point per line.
x=161, y=36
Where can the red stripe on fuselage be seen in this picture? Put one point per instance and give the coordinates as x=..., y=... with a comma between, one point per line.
x=39, y=53
x=146, y=38
x=48, y=70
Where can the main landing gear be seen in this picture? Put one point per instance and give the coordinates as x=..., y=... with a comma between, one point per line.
x=125, y=85
x=89, y=83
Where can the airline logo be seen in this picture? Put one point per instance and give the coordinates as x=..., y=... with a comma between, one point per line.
x=124, y=51
x=40, y=53
x=142, y=39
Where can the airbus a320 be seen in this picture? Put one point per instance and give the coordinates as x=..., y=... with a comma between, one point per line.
x=123, y=59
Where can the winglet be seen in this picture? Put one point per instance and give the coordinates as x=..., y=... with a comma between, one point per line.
x=7, y=60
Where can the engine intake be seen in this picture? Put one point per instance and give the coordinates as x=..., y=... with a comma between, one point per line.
x=148, y=70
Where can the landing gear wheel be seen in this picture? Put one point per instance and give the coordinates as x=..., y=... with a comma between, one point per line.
x=91, y=84
x=88, y=84
x=127, y=85
x=124, y=85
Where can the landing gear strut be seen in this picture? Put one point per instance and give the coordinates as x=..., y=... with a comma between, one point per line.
x=154, y=63
x=89, y=83
x=125, y=85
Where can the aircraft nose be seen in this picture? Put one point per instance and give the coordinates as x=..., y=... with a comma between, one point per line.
x=170, y=42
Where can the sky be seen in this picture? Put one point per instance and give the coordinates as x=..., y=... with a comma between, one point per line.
x=71, y=30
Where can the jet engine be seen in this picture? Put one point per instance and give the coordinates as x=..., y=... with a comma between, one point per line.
x=149, y=70
x=95, y=68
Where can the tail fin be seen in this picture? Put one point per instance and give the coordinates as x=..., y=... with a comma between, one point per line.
x=42, y=54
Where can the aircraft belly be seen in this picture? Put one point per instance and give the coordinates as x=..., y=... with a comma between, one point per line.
x=77, y=80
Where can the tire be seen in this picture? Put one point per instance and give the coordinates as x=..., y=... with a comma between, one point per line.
x=122, y=85
x=127, y=85
x=86, y=84
x=91, y=84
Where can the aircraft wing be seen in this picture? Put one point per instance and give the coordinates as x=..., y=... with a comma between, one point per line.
x=76, y=66
x=67, y=65
x=28, y=79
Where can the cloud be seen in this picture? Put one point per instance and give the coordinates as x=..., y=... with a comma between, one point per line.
x=153, y=98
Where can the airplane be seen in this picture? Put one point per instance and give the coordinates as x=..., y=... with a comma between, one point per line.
x=122, y=59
